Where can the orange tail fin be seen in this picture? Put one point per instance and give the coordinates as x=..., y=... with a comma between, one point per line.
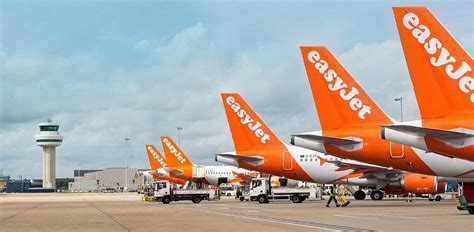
x=440, y=68
x=247, y=128
x=173, y=153
x=155, y=158
x=339, y=99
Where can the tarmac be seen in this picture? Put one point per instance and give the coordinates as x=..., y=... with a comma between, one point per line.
x=127, y=212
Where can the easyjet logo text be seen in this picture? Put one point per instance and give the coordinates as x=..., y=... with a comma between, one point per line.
x=246, y=119
x=336, y=84
x=439, y=55
x=156, y=156
x=174, y=151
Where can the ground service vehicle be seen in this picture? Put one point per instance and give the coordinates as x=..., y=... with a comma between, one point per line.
x=261, y=190
x=227, y=190
x=165, y=193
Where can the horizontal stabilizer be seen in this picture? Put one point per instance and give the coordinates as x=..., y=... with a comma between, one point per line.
x=233, y=159
x=347, y=144
x=174, y=171
x=456, y=138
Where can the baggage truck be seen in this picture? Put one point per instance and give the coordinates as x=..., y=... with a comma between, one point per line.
x=165, y=193
x=260, y=190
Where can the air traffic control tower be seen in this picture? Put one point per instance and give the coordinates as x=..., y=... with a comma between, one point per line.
x=49, y=138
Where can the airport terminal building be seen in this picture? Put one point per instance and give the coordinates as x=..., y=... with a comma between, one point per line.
x=108, y=179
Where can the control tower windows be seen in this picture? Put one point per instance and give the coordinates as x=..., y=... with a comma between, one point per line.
x=49, y=128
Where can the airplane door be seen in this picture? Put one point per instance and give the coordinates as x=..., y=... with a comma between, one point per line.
x=221, y=180
x=397, y=151
x=287, y=161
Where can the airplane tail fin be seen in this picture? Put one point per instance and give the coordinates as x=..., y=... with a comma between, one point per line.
x=440, y=68
x=340, y=101
x=174, y=155
x=247, y=128
x=155, y=158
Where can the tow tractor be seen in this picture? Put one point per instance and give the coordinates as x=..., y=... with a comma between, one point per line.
x=165, y=193
x=260, y=190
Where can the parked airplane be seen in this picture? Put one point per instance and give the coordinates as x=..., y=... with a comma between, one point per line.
x=443, y=80
x=351, y=120
x=258, y=148
x=180, y=166
x=157, y=163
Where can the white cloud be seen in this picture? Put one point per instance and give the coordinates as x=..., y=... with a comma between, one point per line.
x=25, y=67
x=185, y=45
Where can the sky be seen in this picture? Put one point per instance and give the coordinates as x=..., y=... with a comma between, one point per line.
x=109, y=70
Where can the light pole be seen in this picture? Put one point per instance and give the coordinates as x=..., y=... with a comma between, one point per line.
x=126, y=158
x=79, y=177
x=21, y=181
x=179, y=135
x=400, y=99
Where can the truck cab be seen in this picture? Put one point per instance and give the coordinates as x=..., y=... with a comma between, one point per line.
x=162, y=188
x=257, y=188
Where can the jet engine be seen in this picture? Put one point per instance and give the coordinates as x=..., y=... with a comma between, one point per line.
x=417, y=184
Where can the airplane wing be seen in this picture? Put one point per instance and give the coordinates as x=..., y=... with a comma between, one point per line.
x=242, y=178
x=347, y=144
x=365, y=170
x=454, y=138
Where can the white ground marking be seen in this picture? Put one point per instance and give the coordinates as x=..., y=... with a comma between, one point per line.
x=263, y=208
x=349, y=216
x=262, y=219
x=387, y=215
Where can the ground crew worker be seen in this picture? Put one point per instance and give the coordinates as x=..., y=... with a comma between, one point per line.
x=332, y=195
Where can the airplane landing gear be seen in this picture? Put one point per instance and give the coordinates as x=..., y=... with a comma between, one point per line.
x=359, y=195
x=376, y=195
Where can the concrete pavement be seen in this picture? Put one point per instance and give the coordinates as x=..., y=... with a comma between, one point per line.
x=126, y=212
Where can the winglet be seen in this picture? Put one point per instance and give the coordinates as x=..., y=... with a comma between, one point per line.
x=340, y=101
x=440, y=68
